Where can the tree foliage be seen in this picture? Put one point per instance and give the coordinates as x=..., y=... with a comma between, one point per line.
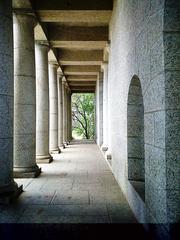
x=83, y=114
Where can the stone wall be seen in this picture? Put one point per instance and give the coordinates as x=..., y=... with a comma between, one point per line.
x=140, y=47
x=172, y=102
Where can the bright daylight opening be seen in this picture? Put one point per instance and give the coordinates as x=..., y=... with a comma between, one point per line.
x=83, y=116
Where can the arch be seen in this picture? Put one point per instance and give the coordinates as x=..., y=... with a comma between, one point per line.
x=135, y=133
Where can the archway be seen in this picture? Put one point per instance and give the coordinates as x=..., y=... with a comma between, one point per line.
x=135, y=135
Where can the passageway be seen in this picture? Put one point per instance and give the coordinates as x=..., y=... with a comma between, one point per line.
x=77, y=187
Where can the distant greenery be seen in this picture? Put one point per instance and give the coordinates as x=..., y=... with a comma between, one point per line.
x=83, y=115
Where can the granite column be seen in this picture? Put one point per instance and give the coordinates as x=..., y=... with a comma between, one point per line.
x=25, y=97
x=105, y=107
x=8, y=188
x=60, y=112
x=64, y=112
x=42, y=103
x=53, y=98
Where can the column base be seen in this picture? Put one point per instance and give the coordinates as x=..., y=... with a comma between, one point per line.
x=55, y=151
x=8, y=196
x=65, y=144
x=109, y=157
x=31, y=172
x=44, y=159
x=104, y=148
x=59, y=149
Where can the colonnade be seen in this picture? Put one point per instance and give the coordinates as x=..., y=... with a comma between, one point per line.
x=35, y=102
x=102, y=109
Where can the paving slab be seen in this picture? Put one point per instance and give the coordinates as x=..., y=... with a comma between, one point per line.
x=77, y=187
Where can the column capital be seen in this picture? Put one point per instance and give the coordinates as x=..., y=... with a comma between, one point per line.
x=106, y=52
x=60, y=73
x=100, y=76
x=21, y=14
x=64, y=80
x=65, y=83
x=104, y=66
x=42, y=43
x=53, y=64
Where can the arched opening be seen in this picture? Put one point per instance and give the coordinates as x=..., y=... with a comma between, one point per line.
x=135, y=135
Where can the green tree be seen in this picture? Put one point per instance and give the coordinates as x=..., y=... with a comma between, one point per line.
x=83, y=114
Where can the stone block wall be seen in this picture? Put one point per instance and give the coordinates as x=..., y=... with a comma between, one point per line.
x=139, y=46
x=172, y=102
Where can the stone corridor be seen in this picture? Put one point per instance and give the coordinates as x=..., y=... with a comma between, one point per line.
x=125, y=52
x=78, y=187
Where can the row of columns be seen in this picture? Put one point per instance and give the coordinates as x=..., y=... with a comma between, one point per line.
x=35, y=100
x=102, y=111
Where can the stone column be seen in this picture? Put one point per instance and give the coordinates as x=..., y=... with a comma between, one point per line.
x=69, y=129
x=99, y=109
x=60, y=112
x=105, y=107
x=53, y=98
x=67, y=117
x=42, y=103
x=64, y=112
x=8, y=188
x=70, y=117
x=25, y=97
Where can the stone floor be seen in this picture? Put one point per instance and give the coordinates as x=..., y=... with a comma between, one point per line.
x=77, y=187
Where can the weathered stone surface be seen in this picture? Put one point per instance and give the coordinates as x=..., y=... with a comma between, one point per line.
x=6, y=72
x=64, y=93
x=60, y=110
x=159, y=129
x=6, y=119
x=156, y=200
x=140, y=47
x=136, y=169
x=155, y=27
x=156, y=165
x=173, y=200
x=149, y=128
x=25, y=104
x=172, y=18
x=5, y=27
x=172, y=87
x=154, y=98
x=53, y=108
x=42, y=104
x=105, y=105
x=172, y=129
x=21, y=95
x=157, y=58
x=135, y=147
x=24, y=114
x=172, y=52
x=8, y=188
x=156, y=5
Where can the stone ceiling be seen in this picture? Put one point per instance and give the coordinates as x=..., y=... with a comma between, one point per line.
x=78, y=32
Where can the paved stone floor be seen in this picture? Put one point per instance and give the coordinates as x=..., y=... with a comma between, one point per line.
x=77, y=187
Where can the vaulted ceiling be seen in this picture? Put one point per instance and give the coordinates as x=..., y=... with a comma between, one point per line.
x=78, y=31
